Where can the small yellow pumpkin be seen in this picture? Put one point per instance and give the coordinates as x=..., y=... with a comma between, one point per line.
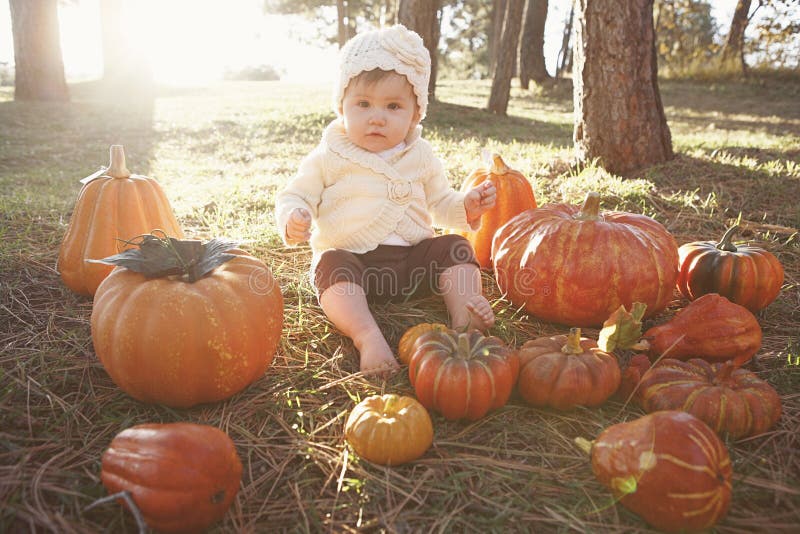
x=389, y=429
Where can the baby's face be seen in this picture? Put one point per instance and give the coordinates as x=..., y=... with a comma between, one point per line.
x=379, y=116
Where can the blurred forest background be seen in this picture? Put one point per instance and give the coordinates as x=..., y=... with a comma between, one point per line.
x=694, y=38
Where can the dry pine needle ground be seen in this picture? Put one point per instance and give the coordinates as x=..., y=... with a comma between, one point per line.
x=515, y=470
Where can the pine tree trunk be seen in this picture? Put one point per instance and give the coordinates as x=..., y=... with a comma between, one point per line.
x=732, y=55
x=506, y=58
x=341, y=30
x=619, y=117
x=495, y=32
x=423, y=16
x=39, y=67
x=564, y=63
x=531, y=48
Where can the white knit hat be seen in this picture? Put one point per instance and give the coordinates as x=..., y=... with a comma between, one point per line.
x=396, y=48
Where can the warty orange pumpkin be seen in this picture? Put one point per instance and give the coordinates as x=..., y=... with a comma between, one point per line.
x=669, y=467
x=712, y=328
x=729, y=400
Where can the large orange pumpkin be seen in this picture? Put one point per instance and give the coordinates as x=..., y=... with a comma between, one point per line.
x=462, y=375
x=514, y=195
x=574, y=265
x=744, y=274
x=566, y=371
x=181, y=476
x=729, y=400
x=712, y=328
x=389, y=429
x=669, y=467
x=198, y=324
x=111, y=209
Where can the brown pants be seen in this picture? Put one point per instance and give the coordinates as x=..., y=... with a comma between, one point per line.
x=394, y=273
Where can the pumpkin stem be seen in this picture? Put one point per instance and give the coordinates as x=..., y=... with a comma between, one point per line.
x=389, y=401
x=463, y=345
x=584, y=444
x=498, y=165
x=725, y=243
x=573, y=345
x=590, y=211
x=117, y=168
x=161, y=256
x=126, y=496
x=724, y=372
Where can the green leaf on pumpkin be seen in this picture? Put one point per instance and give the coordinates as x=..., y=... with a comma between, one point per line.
x=623, y=329
x=163, y=256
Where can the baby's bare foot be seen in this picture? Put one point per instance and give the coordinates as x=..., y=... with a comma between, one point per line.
x=481, y=313
x=376, y=355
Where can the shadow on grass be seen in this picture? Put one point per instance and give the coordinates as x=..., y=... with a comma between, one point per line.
x=48, y=147
x=456, y=122
x=762, y=190
x=758, y=98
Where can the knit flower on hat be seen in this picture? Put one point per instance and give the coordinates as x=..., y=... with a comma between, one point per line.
x=407, y=46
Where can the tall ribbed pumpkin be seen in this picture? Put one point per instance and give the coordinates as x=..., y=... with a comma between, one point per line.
x=574, y=265
x=197, y=323
x=111, y=208
x=514, y=195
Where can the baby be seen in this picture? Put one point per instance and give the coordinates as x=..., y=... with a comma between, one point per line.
x=374, y=188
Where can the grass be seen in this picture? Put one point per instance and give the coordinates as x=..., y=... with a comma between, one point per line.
x=221, y=153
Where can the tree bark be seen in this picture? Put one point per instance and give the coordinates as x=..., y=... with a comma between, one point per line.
x=564, y=63
x=341, y=32
x=531, y=49
x=507, y=57
x=732, y=55
x=619, y=118
x=495, y=31
x=39, y=67
x=423, y=16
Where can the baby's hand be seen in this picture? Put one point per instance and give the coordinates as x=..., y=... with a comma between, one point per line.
x=298, y=227
x=479, y=200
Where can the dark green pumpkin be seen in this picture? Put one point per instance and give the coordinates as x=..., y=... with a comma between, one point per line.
x=747, y=275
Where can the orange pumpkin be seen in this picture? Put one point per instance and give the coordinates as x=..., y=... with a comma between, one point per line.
x=729, y=400
x=631, y=376
x=405, y=347
x=462, y=375
x=574, y=265
x=514, y=195
x=712, y=328
x=198, y=324
x=181, y=476
x=566, y=371
x=669, y=467
x=389, y=429
x=111, y=209
x=744, y=274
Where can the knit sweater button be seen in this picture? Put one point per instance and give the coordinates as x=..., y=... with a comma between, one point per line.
x=400, y=192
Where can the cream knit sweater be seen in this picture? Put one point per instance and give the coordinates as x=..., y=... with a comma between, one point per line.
x=357, y=199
